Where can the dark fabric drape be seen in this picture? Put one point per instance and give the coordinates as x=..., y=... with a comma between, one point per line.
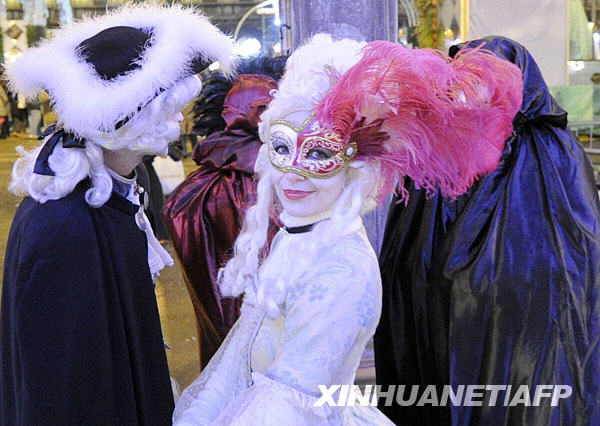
x=499, y=287
x=156, y=198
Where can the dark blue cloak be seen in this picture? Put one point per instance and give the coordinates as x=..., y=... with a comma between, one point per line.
x=81, y=342
x=500, y=287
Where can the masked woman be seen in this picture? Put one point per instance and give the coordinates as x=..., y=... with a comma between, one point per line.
x=337, y=136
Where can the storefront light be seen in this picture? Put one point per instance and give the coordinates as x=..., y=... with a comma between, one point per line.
x=277, y=49
x=12, y=54
x=576, y=65
x=247, y=47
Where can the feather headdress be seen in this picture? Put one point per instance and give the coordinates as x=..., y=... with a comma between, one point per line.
x=418, y=113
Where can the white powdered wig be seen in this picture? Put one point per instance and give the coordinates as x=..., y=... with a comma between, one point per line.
x=84, y=103
x=152, y=129
x=148, y=132
x=309, y=73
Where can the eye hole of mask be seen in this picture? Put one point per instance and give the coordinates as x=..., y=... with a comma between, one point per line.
x=319, y=154
x=280, y=145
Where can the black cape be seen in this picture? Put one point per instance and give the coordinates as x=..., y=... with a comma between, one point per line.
x=501, y=286
x=81, y=342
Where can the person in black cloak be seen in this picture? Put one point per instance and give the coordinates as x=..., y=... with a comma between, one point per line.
x=501, y=286
x=80, y=334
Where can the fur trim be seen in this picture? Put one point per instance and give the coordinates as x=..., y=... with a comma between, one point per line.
x=86, y=104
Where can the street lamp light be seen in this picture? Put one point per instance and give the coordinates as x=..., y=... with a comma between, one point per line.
x=260, y=9
x=247, y=47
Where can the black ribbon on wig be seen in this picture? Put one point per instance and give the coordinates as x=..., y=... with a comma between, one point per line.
x=69, y=140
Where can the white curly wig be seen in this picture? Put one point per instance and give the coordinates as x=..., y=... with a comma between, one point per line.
x=308, y=76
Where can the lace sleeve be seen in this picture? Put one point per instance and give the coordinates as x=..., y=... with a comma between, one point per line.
x=217, y=385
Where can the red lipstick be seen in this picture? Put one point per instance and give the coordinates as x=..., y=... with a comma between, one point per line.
x=292, y=194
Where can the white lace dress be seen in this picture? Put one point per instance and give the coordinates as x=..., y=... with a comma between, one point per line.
x=267, y=372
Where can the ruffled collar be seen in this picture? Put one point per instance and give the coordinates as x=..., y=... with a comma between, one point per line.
x=121, y=184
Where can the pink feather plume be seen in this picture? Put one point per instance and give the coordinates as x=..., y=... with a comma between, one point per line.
x=443, y=122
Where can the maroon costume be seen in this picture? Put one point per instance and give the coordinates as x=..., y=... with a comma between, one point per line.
x=205, y=213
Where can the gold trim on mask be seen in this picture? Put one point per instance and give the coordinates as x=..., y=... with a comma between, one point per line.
x=294, y=127
x=346, y=155
x=331, y=74
x=307, y=173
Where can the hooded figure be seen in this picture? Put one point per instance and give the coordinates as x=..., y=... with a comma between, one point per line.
x=501, y=286
x=204, y=214
x=80, y=331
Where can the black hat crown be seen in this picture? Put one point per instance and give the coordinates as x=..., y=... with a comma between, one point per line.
x=115, y=51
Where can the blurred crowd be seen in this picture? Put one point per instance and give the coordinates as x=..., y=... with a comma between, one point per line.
x=24, y=117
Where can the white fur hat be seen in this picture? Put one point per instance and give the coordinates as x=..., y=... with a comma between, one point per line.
x=85, y=97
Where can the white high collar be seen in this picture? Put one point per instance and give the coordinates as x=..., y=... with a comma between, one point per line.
x=289, y=220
